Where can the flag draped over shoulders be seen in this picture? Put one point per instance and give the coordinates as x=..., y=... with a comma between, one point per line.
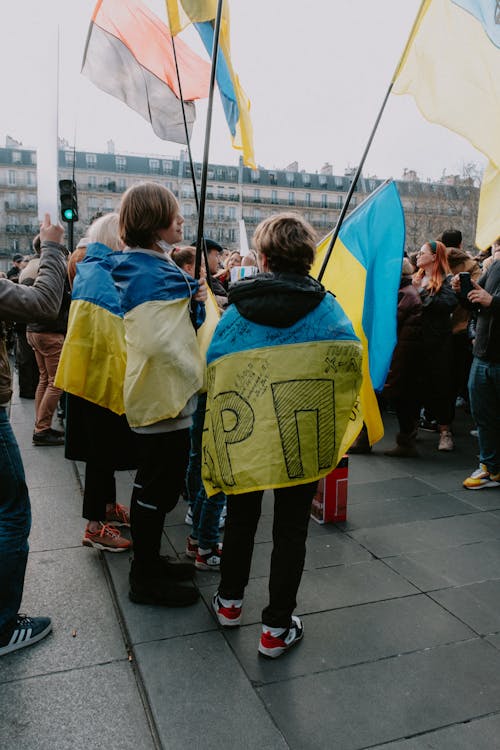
x=279, y=400
x=131, y=346
x=363, y=272
x=93, y=358
x=451, y=66
x=235, y=102
x=129, y=54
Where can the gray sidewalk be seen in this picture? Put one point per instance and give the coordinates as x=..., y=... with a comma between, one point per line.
x=401, y=607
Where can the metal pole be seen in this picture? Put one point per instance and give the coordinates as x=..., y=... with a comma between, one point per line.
x=352, y=187
x=204, y=171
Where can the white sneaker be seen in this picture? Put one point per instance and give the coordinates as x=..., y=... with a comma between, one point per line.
x=275, y=641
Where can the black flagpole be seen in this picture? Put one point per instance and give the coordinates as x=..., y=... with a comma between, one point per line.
x=352, y=187
x=191, y=164
x=204, y=172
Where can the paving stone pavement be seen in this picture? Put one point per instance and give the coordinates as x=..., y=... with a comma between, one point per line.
x=400, y=606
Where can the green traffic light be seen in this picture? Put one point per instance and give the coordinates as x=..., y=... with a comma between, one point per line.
x=69, y=214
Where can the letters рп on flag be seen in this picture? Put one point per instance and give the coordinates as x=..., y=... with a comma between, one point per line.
x=129, y=54
x=363, y=272
x=236, y=105
x=451, y=66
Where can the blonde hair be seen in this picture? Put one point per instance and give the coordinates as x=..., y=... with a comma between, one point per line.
x=105, y=230
x=287, y=242
x=146, y=208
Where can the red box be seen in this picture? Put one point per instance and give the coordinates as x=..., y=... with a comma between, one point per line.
x=329, y=504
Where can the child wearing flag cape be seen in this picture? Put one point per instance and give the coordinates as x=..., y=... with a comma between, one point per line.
x=284, y=371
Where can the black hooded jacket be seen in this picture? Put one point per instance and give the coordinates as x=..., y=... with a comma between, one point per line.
x=276, y=299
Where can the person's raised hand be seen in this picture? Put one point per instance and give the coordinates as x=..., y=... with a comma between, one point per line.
x=51, y=232
x=479, y=296
x=455, y=283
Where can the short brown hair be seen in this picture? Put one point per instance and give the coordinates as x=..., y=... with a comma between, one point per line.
x=146, y=208
x=183, y=256
x=288, y=243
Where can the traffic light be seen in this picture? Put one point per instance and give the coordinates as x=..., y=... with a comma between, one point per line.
x=69, y=200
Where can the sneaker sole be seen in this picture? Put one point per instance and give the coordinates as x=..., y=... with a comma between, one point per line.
x=205, y=566
x=118, y=524
x=96, y=545
x=29, y=642
x=273, y=653
x=482, y=486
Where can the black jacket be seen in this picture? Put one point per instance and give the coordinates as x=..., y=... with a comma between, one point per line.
x=487, y=342
x=276, y=299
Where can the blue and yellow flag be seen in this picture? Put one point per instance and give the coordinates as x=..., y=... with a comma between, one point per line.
x=93, y=359
x=451, y=67
x=235, y=102
x=131, y=346
x=364, y=272
x=280, y=401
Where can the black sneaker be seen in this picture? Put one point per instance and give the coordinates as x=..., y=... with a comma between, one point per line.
x=275, y=641
x=148, y=588
x=27, y=630
x=428, y=425
x=47, y=437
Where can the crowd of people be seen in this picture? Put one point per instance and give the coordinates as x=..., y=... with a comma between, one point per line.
x=111, y=338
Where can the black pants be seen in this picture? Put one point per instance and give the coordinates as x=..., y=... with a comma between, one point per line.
x=163, y=460
x=292, y=507
x=27, y=368
x=100, y=489
x=407, y=412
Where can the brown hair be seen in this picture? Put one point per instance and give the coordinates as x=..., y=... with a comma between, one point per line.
x=183, y=256
x=146, y=208
x=440, y=267
x=287, y=242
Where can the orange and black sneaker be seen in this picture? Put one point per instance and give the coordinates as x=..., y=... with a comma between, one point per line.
x=118, y=516
x=106, y=538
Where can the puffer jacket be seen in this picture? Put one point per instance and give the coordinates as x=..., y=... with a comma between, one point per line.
x=26, y=303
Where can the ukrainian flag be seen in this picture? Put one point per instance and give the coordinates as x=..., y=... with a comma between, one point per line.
x=364, y=272
x=235, y=102
x=280, y=400
x=451, y=67
x=93, y=359
x=164, y=367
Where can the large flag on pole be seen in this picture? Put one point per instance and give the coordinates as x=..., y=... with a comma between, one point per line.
x=129, y=54
x=364, y=272
x=451, y=66
x=235, y=102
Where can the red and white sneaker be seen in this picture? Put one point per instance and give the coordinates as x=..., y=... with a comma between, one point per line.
x=191, y=547
x=275, y=641
x=118, y=516
x=209, y=559
x=227, y=611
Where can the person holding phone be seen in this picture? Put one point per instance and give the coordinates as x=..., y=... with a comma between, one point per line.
x=484, y=380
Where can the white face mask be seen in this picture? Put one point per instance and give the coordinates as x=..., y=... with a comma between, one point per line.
x=164, y=245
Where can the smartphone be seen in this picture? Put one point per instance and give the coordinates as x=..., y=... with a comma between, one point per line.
x=465, y=283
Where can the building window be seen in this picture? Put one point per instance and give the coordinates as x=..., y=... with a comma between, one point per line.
x=17, y=157
x=255, y=175
x=256, y=194
x=220, y=191
x=92, y=182
x=308, y=199
x=291, y=199
x=210, y=212
x=167, y=166
x=257, y=214
x=93, y=204
x=274, y=196
x=170, y=186
x=290, y=178
x=154, y=165
x=31, y=198
x=273, y=178
x=11, y=178
x=108, y=204
x=33, y=158
x=306, y=179
x=231, y=235
x=220, y=234
x=232, y=212
x=221, y=173
x=322, y=179
x=121, y=163
x=31, y=179
x=69, y=158
x=324, y=200
x=220, y=213
x=122, y=184
x=91, y=161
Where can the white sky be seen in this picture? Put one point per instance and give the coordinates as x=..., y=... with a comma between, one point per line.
x=316, y=73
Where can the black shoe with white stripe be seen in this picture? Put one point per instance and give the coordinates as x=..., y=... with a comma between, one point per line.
x=27, y=630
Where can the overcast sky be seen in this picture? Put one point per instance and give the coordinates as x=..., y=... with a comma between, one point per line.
x=316, y=74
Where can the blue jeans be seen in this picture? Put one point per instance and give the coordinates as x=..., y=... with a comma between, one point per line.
x=206, y=510
x=15, y=524
x=484, y=393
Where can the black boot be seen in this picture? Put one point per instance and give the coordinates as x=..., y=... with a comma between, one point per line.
x=149, y=585
x=405, y=448
x=361, y=444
